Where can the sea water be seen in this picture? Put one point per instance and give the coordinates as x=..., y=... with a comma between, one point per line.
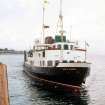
x=22, y=92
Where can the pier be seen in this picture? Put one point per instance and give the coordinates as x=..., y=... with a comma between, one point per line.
x=4, y=96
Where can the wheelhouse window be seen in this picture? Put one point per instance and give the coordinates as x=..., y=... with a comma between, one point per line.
x=56, y=62
x=39, y=55
x=64, y=61
x=71, y=47
x=49, y=63
x=59, y=46
x=71, y=61
x=33, y=48
x=43, y=53
x=40, y=63
x=65, y=47
x=54, y=47
x=43, y=62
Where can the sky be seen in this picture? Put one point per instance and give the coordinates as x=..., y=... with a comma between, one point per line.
x=21, y=22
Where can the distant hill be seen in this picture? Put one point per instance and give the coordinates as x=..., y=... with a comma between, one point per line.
x=10, y=51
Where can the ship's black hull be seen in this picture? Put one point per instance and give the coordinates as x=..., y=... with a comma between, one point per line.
x=71, y=76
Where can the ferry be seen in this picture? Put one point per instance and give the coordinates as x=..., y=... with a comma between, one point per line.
x=57, y=58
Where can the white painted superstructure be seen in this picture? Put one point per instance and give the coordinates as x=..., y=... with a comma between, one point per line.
x=44, y=55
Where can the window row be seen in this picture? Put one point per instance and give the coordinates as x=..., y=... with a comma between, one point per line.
x=53, y=63
x=55, y=47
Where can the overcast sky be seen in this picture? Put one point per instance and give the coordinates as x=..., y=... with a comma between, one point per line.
x=21, y=20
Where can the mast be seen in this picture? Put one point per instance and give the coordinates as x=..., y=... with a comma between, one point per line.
x=61, y=28
x=61, y=20
x=43, y=24
x=45, y=2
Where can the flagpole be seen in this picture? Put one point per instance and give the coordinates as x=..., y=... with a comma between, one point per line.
x=85, y=52
x=70, y=32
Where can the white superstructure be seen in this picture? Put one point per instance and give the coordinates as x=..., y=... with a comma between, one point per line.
x=44, y=55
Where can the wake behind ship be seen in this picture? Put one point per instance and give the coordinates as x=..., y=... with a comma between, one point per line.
x=58, y=59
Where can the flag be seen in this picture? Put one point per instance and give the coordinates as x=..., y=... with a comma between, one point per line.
x=45, y=3
x=46, y=26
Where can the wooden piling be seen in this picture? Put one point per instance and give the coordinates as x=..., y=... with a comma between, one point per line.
x=4, y=96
